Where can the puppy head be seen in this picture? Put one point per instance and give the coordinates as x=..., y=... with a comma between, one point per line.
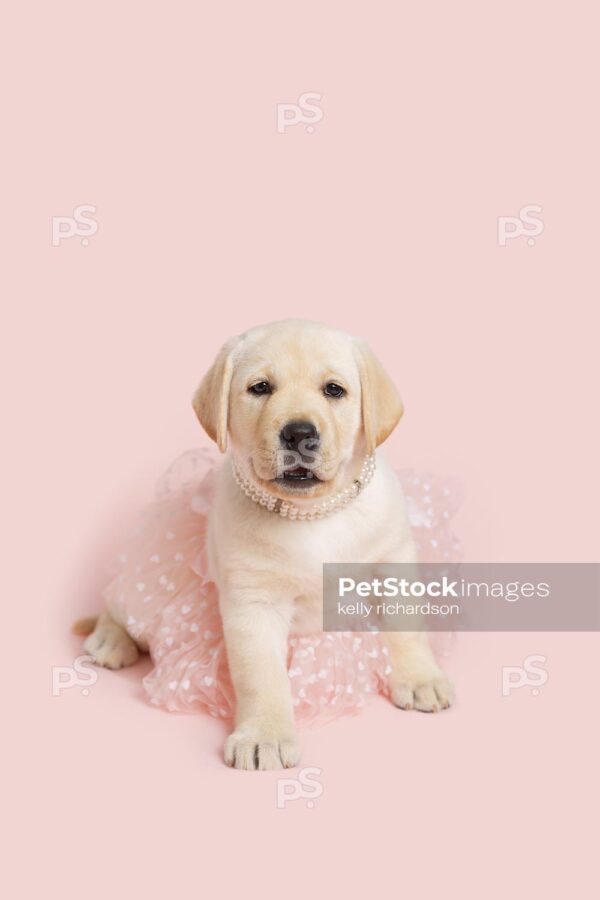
x=302, y=405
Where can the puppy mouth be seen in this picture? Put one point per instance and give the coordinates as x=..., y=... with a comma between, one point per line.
x=298, y=477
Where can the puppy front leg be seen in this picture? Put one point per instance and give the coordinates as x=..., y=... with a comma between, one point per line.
x=256, y=636
x=416, y=682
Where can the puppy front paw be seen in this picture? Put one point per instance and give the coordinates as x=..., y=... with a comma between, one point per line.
x=252, y=747
x=429, y=695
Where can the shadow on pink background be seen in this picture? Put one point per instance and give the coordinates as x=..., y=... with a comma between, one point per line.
x=437, y=119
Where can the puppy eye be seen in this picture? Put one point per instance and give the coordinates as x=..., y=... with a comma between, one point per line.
x=333, y=390
x=261, y=387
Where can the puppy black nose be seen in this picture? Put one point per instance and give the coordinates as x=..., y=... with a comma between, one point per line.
x=299, y=435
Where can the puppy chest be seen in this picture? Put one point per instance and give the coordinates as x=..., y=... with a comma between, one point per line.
x=307, y=616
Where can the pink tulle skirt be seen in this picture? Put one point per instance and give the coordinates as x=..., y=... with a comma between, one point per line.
x=164, y=596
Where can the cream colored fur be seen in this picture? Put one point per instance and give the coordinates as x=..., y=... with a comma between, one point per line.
x=269, y=570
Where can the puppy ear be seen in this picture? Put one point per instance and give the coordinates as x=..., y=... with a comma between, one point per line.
x=381, y=405
x=211, y=399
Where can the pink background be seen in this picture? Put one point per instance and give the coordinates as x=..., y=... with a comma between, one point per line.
x=438, y=118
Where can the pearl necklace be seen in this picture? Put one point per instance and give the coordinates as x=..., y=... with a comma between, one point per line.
x=317, y=511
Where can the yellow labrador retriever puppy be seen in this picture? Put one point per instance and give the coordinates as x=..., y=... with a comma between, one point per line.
x=301, y=408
